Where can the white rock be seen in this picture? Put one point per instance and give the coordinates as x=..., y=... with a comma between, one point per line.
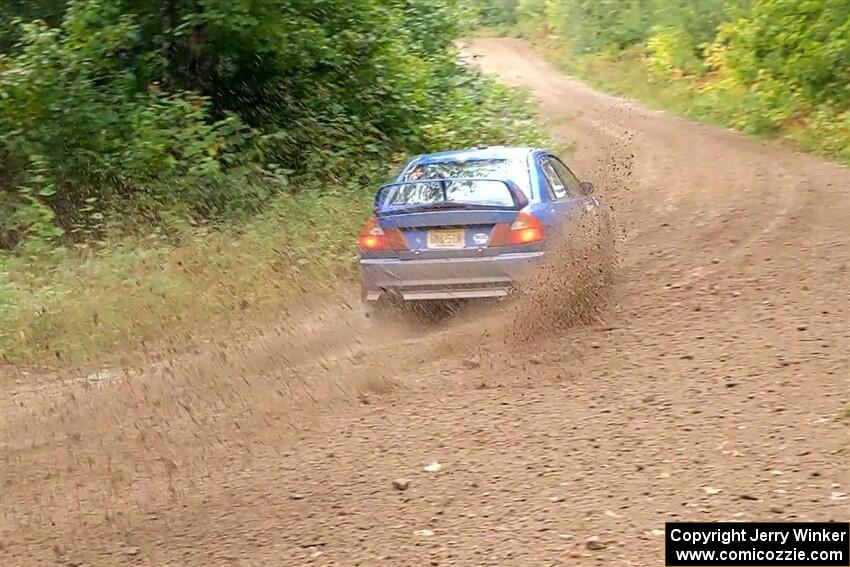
x=594, y=543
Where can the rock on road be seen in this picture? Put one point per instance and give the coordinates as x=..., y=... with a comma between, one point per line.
x=714, y=390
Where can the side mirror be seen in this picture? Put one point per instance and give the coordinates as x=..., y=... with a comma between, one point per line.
x=586, y=187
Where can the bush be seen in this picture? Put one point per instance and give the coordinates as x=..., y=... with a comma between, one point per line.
x=78, y=138
x=164, y=165
x=208, y=110
x=670, y=53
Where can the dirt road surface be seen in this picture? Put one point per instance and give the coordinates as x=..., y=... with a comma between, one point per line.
x=715, y=388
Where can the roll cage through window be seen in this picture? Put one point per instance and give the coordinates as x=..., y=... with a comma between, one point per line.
x=562, y=182
x=515, y=170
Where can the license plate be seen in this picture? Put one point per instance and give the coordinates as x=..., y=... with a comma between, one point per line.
x=445, y=238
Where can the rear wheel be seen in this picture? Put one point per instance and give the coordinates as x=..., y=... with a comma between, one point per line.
x=433, y=311
x=421, y=312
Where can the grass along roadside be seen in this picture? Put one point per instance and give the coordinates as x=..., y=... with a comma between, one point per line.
x=77, y=306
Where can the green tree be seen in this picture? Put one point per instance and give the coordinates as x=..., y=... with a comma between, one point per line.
x=206, y=108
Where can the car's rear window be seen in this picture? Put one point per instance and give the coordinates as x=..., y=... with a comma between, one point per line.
x=473, y=191
x=515, y=170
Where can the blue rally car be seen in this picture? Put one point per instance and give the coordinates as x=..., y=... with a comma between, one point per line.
x=468, y=224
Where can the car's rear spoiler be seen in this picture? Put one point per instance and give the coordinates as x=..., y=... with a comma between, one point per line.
x=386, y=192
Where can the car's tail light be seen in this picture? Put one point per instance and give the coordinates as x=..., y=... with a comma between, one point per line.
x=525, y=229
x=374, y=238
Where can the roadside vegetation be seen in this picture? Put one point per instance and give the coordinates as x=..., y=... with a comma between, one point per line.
x=166, y=164
x=776, y=69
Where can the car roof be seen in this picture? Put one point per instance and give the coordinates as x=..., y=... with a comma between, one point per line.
x=471, y=154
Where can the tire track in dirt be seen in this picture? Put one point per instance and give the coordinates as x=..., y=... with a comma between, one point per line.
x=723, y=364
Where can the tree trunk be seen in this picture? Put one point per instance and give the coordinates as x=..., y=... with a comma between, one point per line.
x=196, y=51
x=169, y=21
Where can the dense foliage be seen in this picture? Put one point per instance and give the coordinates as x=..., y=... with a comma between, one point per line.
x=169, y=165
x=206, y=109
x=771, y=67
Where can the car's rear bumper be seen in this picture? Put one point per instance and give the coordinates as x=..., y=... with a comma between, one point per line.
x=446, y=278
